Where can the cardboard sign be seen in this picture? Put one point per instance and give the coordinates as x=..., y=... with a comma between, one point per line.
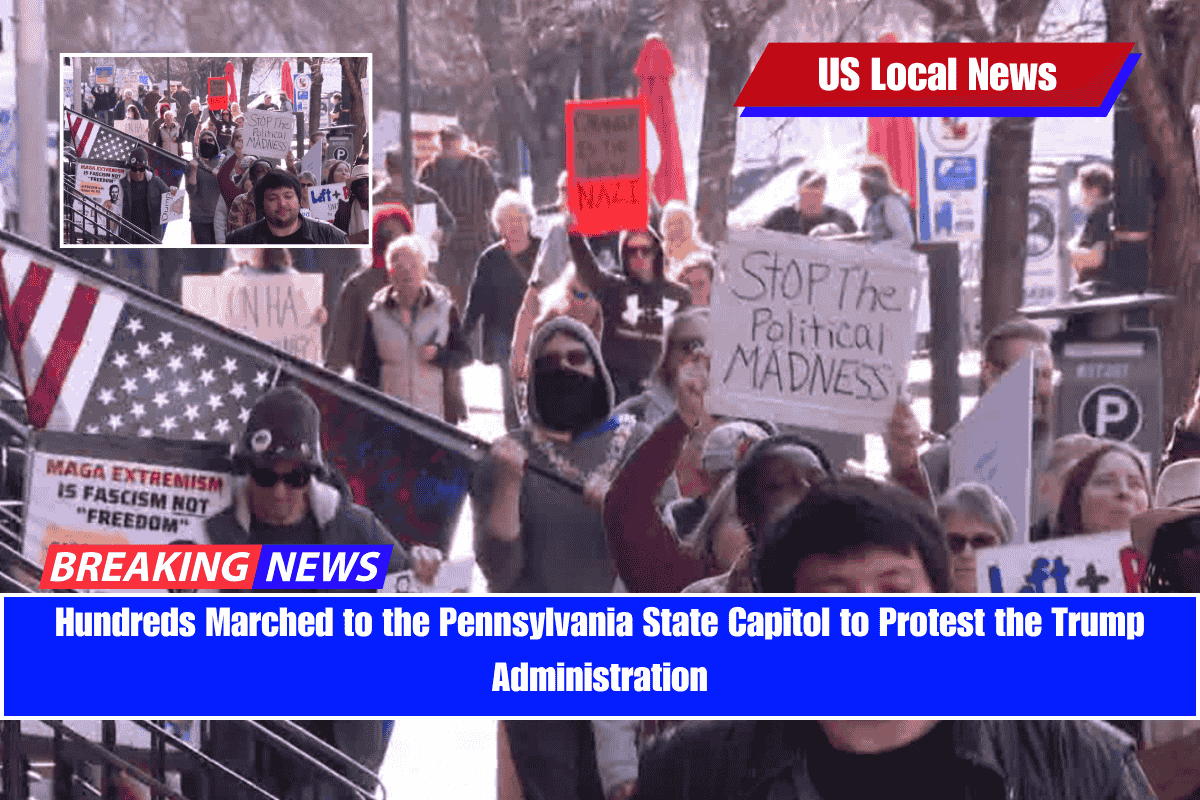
x=323, y=200
x=993, y=445
x=104, y=76
x=172, y=206
x=608, y=183
x=276, y=309
x=218, y=98
x=311, y=162
x=454, y=577
x=134, y=127
x=1102, y=563
x=100, y=182
x=268, y=133
x=811, y=332
x=117, y=490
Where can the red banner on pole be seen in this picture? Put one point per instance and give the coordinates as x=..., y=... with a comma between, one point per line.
x=607, y=183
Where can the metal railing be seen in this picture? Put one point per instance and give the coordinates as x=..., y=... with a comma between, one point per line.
x=87, y=222
x=171, y=768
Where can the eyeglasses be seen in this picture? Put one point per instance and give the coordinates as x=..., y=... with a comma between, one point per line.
x=643, y=250
x=267, y=478
x=572, y=358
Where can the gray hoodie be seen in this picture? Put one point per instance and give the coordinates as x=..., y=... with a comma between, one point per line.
x=562, y=547
x=204, y=194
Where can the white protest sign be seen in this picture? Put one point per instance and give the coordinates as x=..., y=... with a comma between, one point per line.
x=323, y=200
x=134, y=127
x=268, y=133
x=77, y=499
x=277, y=309
x=101, y=183
x=993, y=445
x=172, y=206
x=810, y=331
x=1092, y=563
x=425, y=223
x=453, y=577
x=312, y=161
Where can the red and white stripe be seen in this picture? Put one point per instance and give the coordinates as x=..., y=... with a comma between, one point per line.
x=59, y=328
x=82, y=131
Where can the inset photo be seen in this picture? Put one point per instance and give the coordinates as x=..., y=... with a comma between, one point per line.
x=215, y=149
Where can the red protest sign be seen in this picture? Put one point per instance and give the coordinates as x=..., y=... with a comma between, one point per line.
x=607, y=185
x=217, y=97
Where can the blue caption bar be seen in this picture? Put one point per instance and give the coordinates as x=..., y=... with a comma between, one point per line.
x=644, y=656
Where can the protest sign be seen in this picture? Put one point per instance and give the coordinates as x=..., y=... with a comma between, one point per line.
x=425, y=224
x=100, y=182
x=1093, y=563
x=134, y=127
x=272, y=308
x=268, y=133
x=454, y=577
x=218, y=99
x=993, y=445
x=810, y=331
x=323, y=200
x=606, y=164
x=311, y=161
x=114, y=490
x=172, y=206
x=104, y=76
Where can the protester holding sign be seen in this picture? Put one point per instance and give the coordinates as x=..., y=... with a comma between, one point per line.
x=141, y=197
x=1103, y=492
x=637, y=303
x=413, y=338
x=810, y=212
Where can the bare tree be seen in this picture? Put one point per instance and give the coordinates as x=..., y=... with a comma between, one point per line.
x=731, y=32
x=354, y=70
x=1163, y=87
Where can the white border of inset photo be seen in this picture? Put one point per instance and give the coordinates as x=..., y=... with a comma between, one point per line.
x=67, y=72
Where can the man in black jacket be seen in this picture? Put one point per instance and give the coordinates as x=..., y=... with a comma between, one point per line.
x=277, y=196
x=141, y=200
x=747, y=760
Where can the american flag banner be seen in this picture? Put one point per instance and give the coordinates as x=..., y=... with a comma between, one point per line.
x=99, y=142
x=100, y=357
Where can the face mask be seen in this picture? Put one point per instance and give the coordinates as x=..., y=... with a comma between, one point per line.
x=565, y=399
x=208, y=149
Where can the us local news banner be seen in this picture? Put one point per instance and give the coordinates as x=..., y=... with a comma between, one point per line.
x=654, y=656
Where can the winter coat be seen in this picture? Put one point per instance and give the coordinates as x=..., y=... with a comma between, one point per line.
x=349, y=320
x=1000, y=760
x=315, y=231
x=391, y=357
x=155, y=189
x=496, y=295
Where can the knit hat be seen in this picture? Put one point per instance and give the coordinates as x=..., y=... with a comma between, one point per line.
x=284, y=424
x=728, y=444
x=137, y=158
x=360, y=172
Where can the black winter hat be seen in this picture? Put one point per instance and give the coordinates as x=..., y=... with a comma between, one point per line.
x=137, y=158
x=284, y=424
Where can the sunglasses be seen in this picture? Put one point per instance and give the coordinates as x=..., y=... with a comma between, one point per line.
x=307, y=185
x=267, y=478
x=572, y=358
x=958, y=543
x=137, y=169
x=688, y=346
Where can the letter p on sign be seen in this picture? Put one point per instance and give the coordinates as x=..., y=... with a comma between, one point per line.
x=1111, y=412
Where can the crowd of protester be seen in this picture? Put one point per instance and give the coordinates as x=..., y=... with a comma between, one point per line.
x=603, y=348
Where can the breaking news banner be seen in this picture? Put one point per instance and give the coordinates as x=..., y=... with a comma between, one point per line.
x=1072, y=79
x=645, y=656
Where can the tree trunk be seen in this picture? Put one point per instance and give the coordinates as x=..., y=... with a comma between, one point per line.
x=353, y=71
x=314, y=108
x=1005, y=219
x=728, y=70
x=1161, y=100
x=244, y=89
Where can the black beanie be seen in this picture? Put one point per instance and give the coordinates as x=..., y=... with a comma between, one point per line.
x=284, y=424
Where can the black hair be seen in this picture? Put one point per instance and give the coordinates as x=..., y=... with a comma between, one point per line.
x=746, y=491
x=275, y=179
x=1170, y=538
x=842, y=515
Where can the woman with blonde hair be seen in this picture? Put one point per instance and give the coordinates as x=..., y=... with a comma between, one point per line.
x=680, y=236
